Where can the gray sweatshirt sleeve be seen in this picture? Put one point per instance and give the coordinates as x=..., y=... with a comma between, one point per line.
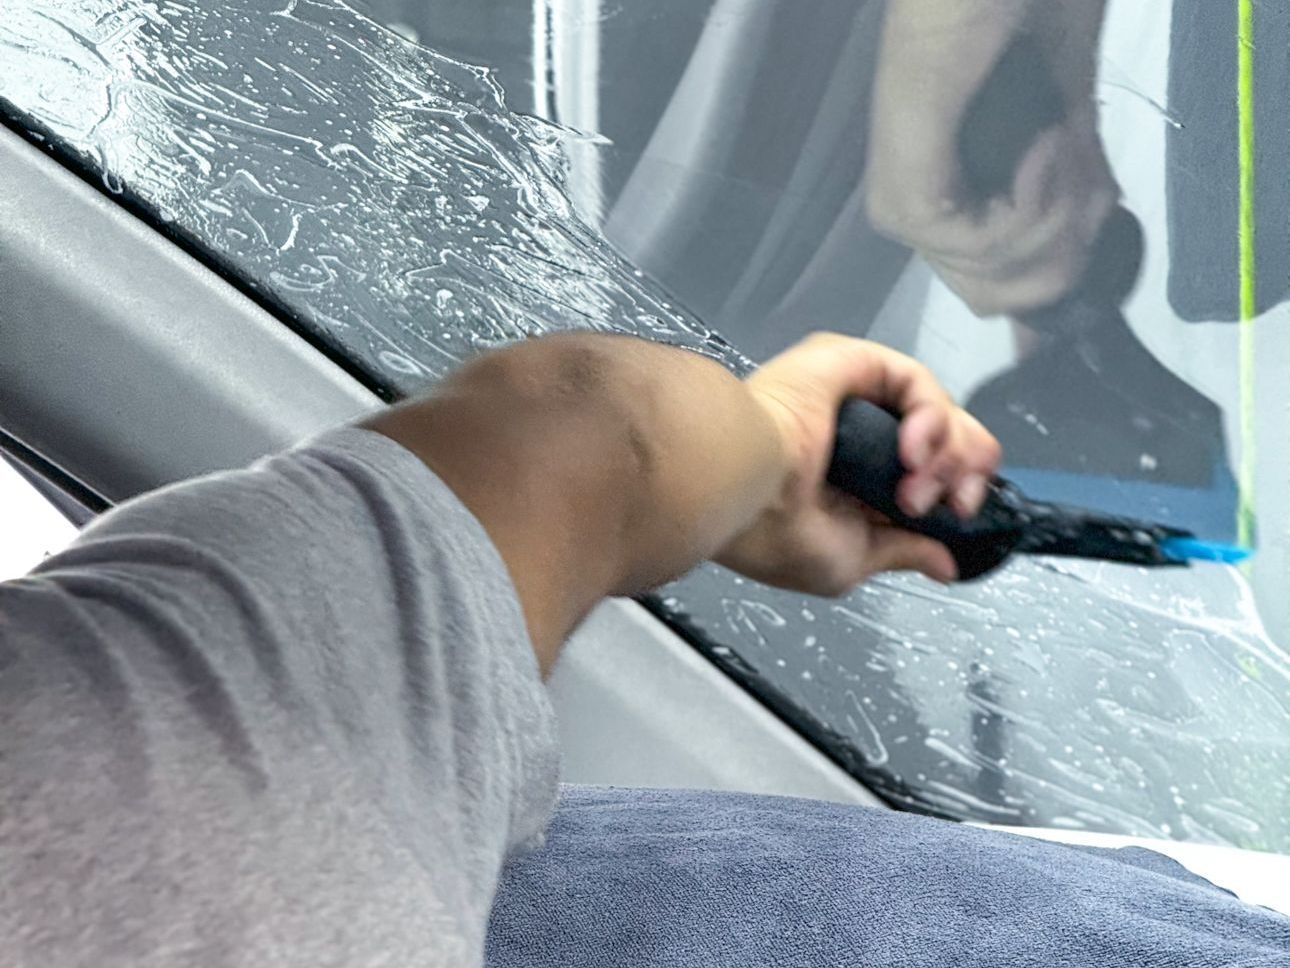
x=282, y=716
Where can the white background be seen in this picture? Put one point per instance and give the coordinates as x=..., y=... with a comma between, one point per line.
x=30, y=527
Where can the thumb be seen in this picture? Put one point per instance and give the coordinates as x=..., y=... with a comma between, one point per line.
x=895, y=549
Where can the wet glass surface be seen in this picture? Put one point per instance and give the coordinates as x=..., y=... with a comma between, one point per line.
x=383, y=196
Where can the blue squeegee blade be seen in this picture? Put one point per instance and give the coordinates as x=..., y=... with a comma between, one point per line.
x=1194, y=549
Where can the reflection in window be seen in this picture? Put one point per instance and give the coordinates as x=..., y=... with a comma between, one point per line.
x=383, y=198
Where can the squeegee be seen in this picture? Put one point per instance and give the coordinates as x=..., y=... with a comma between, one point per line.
x=866, y=464
x=1096, y=366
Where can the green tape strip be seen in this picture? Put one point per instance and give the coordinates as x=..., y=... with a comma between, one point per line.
x=1245, y=522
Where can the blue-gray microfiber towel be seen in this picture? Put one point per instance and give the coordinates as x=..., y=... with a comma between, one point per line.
x=665, y=879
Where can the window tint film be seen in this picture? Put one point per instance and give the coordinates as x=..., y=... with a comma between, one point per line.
x=383, y=197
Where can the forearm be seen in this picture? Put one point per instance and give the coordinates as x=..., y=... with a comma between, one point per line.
x=599, y=465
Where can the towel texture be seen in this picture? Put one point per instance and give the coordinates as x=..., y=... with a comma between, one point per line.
x=677, y=878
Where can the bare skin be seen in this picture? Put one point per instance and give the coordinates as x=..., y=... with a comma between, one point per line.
x=606, y=465
x=1021, y=251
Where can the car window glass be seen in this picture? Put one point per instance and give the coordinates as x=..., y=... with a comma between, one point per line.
x=383, y=198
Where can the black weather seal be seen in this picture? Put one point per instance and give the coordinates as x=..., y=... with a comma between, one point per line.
x=41, y=137
x=73, y=499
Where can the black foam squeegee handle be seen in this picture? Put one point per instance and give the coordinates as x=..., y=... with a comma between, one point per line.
x=866, y=464
x=1019, y=100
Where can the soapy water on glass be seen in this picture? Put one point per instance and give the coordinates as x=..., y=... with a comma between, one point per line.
x=382, y=196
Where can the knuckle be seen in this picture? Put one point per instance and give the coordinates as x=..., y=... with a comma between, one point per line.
x=928, y=386
x=904, y=215
x=837, y=344
x=841, y=586
x=987, y=455
x=824, y=336
x=921, y=372
x=833, y=579
x=993, y=450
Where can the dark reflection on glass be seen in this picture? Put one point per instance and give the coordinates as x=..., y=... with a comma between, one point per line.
x=382, y=193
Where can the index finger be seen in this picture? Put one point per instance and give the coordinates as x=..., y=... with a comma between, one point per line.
x=835, y=367
x=843, y=366
x=895, y=382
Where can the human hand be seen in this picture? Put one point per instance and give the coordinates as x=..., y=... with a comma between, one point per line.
x=1027, y=248
x=817, y=539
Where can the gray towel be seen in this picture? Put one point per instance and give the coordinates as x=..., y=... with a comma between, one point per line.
x=676, y=878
